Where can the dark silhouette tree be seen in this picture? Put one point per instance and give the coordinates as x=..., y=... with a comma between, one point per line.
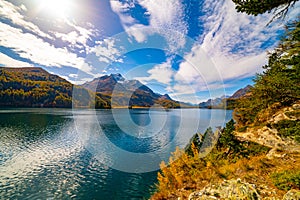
x=256, y=7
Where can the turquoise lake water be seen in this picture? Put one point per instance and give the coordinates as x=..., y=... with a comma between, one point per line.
x=92, y=154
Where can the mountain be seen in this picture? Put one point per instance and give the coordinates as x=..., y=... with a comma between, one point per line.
x=227, y=102
x=241, y=92
x=104, y=84
x=115, y=83
x=231, y=102
x=213, y=103
x=35, y=87
x=128, y=93
x=166, y=97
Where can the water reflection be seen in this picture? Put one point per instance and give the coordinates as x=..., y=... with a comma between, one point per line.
x=44, y=153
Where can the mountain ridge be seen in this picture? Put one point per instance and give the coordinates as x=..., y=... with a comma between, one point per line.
x=35, y=87
x=226, y=102
x=128, y=92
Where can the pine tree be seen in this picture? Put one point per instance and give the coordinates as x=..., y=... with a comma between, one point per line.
x=256, y=7
x=279, y=84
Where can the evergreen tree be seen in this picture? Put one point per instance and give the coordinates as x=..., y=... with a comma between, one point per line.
x=255, y=7
x=279, y=84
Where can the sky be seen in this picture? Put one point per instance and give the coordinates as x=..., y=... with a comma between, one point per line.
x=191, y=49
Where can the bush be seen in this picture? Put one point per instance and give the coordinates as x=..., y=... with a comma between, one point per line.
x=287, y=179
x=242, y=129
x=288, y=128
x=295, y=114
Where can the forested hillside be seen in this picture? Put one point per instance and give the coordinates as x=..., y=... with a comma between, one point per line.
x=35, y=87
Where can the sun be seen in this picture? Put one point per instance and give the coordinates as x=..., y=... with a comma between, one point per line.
x=58, y=8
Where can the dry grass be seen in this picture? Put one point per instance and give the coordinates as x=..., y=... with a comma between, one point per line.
x=186, y=174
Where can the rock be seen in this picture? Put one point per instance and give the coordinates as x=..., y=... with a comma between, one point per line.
x=267, y=137
x=275, y=153
x=231, y=189
x=279, y=117
x=292, y=195
x=296, y=106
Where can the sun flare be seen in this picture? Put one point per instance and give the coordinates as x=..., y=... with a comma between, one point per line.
x=58, y=8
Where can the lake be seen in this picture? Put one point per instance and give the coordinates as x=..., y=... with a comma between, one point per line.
x=92, y=154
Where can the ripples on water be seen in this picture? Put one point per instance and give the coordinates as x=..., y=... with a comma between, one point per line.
x=42, y=155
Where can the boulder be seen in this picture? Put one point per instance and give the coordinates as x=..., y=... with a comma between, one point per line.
x=228, y=189
x=292, y=195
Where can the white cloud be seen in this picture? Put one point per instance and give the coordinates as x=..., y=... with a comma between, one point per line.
x=165, y=14
x=79, y=36
x=294, y=12
x=139, y=32
x=83, y=34
x=234, y=33
x=80, y=81
x=161, y=73
x=12, y=13
x=73, y=75
x=7, y=61
x=197, y=65
x=129, y=23
x=26, y=40
x=235, y=41
x=196, y=73
x=188, y=98
x=242, y=67
x=209, y=73
x=17, y=16
x=232, y=47
x=38, y=51
x=23, y=7
x=120, y=8
x=166, y=19
x=106, y=51
x=71, y=37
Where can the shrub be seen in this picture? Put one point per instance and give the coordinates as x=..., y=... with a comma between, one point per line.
x=288, y=128
x=287, y=179
x=242, y=129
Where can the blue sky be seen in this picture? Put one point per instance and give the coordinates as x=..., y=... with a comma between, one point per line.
x=191, y=49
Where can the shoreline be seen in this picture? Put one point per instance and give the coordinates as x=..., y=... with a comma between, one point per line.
x=121, y=107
